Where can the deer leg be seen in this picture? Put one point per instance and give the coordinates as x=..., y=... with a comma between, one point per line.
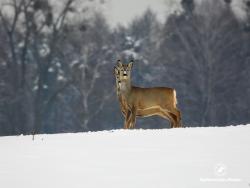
x=123, y=107
x=127, y=119
x=133, y=118
x=175, y=119
x=177, y=115
x=179, y=118
x=123, y=113
x=168, y=117
x=172, y=121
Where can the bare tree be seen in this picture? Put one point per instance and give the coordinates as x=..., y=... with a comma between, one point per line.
x=201, y=44
x=90, y=71
x=33, y=33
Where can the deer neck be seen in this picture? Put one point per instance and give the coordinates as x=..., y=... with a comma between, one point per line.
x=125, y=87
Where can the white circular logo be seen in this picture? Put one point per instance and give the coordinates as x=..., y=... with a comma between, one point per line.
x=220, y=169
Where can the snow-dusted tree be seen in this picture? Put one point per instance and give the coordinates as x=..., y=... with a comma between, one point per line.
x=144, y=32
x=10, y=15
x=90, y=55
x=245, y=84
x=33, y=29
x=139, y=42
x=201, y=52
x=224, y=60
x=5, y=126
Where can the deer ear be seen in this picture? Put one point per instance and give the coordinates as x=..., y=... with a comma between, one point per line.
x=119, y=63
x=130, y=65
x=115, y=70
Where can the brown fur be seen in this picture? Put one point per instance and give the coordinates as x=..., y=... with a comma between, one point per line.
x=143, y=102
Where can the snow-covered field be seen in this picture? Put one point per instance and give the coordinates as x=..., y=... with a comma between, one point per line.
x=170, y=158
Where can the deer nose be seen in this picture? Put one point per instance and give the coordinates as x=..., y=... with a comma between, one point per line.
x=124, y=73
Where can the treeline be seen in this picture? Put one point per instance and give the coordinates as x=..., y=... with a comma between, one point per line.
x=56, y=65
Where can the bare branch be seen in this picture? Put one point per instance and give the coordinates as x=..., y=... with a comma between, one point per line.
x=60, y=19
x=57, y=92
x=5, y=22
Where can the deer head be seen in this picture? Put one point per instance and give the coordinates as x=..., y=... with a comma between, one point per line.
x=124, y=70
x=117, y=79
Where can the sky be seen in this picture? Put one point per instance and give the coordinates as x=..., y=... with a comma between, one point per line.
x=123, y=11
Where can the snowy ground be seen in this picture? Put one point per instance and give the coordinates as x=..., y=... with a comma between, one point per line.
x=174, y=158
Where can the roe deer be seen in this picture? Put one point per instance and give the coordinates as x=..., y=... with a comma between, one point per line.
x=143, y=102
x=120, y=98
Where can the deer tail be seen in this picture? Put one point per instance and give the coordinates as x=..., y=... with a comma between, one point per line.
x=175, y=99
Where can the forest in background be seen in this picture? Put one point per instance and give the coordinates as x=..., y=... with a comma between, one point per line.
x=56, y=65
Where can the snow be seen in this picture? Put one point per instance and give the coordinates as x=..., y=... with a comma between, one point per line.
x=182, y=157
x=35, y=88
x=58, y=64
x=239, y=9
x=44, y=51
x=73, y=63
x=45, y=86
x=61, y=78
x=130, y=54
x=148, y=77
x=51, y=69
